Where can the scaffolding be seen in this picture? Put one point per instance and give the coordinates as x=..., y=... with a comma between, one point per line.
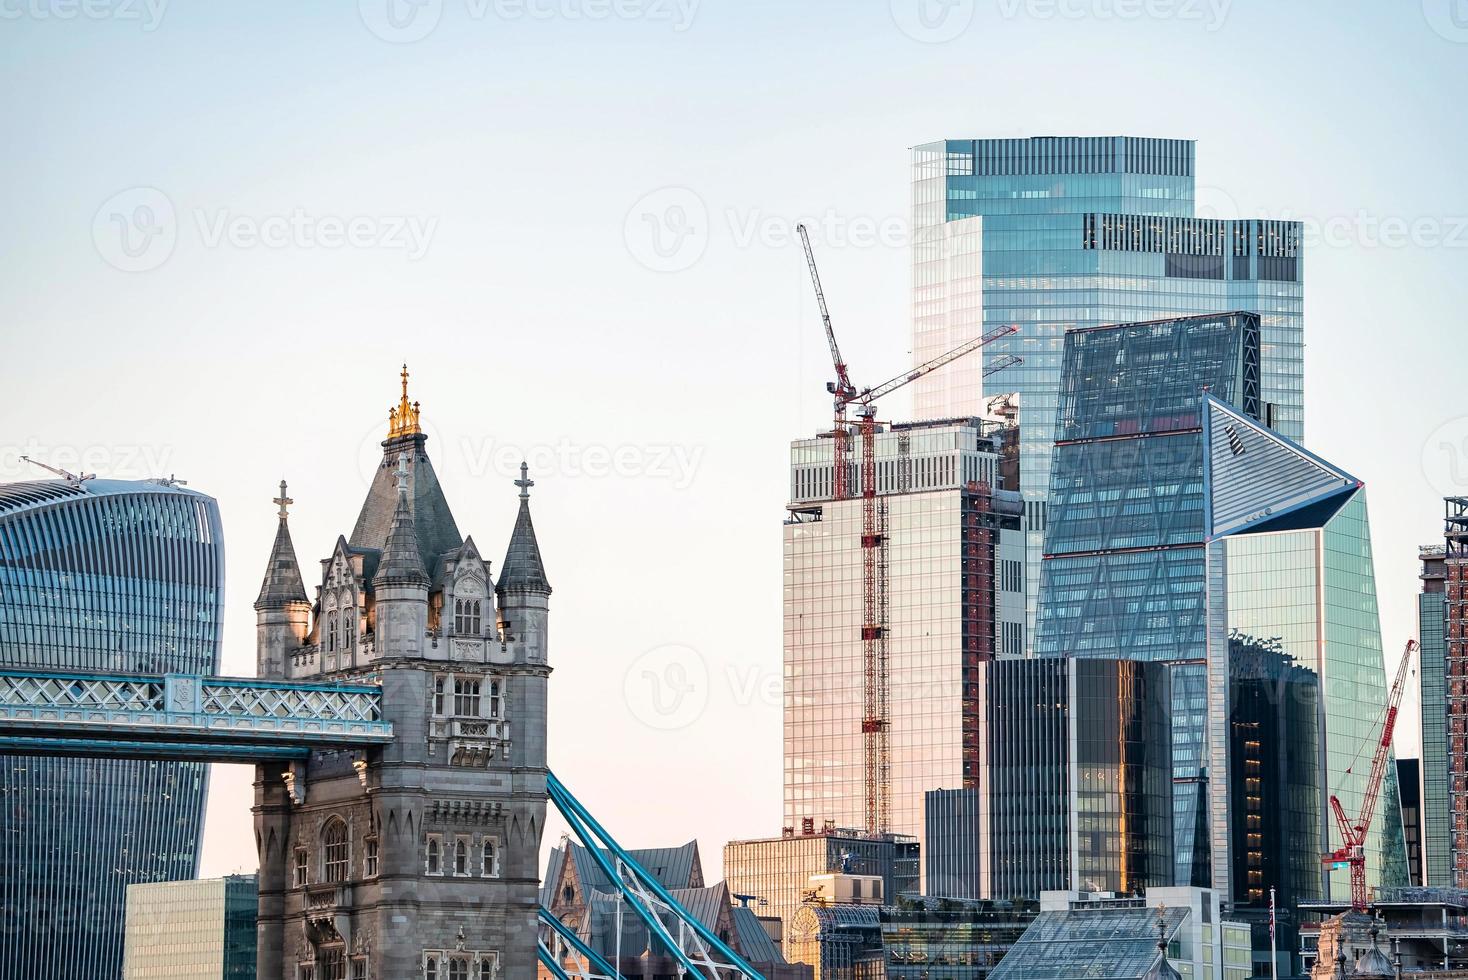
x=1455, y=552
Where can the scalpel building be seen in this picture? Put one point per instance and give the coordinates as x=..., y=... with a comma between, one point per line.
x=99, y=575
x=1187, y=531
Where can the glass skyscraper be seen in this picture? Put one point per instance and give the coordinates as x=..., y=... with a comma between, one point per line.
x=949, y=577
x=108, y=576
x=1186, y=531
x=1432, y=612
x=1052, y=234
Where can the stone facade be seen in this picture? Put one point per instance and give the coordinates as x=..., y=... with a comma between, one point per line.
x=419, y=859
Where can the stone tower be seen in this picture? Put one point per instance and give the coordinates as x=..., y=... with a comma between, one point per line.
x=419, y=859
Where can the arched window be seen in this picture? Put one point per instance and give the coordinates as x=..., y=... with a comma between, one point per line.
x=435, y=857
x=486, y=968
x=490, y=867
x=330, y=632
x=474, y=618
x=430, y=968
x=335, y=851
x=459, y=623
x=459, y=968
x=494, y=699
x=348, y=633
x=461, y=856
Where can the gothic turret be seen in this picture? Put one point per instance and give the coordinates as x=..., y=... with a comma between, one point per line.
x=401, y=583
x=523, y=570
x=282, y=611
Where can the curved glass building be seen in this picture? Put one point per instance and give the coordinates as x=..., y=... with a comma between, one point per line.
x=110, y=576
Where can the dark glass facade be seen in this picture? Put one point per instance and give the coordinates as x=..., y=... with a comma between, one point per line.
x=952, y=829
x=1079, y=787
x=108, y=576
x=1054, y=234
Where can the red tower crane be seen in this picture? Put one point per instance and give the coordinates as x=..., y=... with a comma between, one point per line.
x=1352, y=851
x=876, y=685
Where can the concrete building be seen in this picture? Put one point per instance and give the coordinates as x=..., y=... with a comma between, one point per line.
x=105, y=576
x=191, y=930
x=420, y=859
x=1053, y=234
x=578, y=893
x=951, y=596
x=780, y=873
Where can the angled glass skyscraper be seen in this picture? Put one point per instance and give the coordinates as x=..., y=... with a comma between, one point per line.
x=108, y=576
x=1052, y=234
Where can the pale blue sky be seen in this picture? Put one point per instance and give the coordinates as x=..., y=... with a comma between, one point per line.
x=497, y=170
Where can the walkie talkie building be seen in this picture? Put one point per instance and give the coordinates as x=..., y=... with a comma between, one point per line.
x=110, y=576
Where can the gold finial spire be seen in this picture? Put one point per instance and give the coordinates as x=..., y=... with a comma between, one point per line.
x=403, y=420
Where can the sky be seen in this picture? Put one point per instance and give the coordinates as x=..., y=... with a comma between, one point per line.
x=228, y=224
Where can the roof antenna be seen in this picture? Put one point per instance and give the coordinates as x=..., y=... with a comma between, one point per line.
x=67, y=475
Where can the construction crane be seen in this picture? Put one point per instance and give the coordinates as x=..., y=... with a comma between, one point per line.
x=876, y=684
x=1352, y=851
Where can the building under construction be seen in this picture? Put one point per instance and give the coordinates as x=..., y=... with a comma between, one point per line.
x=946, y=595
x=1455, y=609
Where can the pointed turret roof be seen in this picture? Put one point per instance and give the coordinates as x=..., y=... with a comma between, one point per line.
x=437, y=533
x=283, y=585
x=522, y=568
x=401, y=562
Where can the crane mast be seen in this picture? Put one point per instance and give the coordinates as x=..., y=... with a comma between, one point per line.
x=876, y=679
x=1352, y=851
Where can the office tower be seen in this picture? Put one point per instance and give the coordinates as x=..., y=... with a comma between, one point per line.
x=1076, y=780
x=951, y=831
x=191, y=930
x=1125, y=559
x=1455, y=658
x=949, y=557
x=99, y=575
x=1185, y=531
x=1053, y=234
x=776, y=872
x=373, y=876
x=1432, y=677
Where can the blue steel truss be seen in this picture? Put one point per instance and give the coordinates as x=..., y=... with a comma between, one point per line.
x=695, y=946
x=183, y=716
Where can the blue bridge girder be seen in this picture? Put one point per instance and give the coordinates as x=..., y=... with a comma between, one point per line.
x=172, y=716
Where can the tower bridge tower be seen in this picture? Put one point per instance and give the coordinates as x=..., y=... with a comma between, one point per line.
x=418, y=859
